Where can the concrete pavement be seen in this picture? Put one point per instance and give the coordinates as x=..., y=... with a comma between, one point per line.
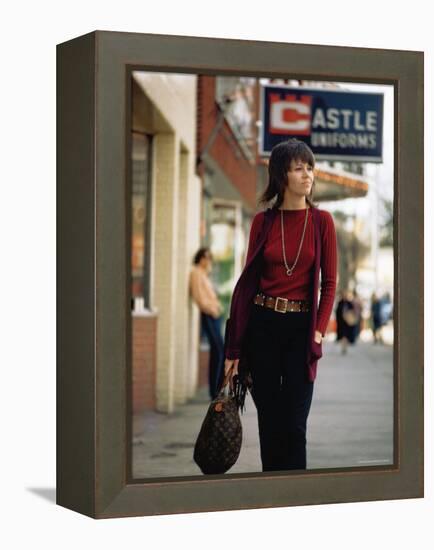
x=350, y=422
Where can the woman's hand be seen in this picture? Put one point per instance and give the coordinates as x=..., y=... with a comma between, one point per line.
x=231, y=366
x=318, y=337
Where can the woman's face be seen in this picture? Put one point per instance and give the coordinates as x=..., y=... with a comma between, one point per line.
x=300, y=178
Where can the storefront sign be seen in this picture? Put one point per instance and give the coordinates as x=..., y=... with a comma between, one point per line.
x=336, y=124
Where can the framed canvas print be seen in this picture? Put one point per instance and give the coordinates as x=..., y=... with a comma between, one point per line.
x=240, y=240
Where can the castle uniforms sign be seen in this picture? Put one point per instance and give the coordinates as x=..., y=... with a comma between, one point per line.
x=336, y=124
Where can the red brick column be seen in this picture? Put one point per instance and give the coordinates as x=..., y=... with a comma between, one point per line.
x=144, y=342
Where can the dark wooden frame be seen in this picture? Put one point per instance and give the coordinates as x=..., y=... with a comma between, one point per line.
x=93, y=375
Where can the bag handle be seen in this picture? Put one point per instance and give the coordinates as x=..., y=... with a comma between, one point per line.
x=225, y=382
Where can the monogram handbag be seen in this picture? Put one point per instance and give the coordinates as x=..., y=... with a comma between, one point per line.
x=218, y=444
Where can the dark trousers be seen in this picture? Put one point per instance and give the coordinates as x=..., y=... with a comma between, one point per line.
x=282, y=392
x=212, y=329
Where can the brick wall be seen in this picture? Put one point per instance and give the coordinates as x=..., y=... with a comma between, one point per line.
x=144, y=362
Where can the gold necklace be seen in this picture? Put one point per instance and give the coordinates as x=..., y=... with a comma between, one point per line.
x=289, y=270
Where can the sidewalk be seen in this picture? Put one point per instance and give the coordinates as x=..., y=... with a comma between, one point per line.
x=350, y=422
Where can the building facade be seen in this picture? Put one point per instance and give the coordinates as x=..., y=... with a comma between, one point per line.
x=166, y=197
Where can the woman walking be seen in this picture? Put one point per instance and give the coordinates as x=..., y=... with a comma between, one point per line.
x=273, y=337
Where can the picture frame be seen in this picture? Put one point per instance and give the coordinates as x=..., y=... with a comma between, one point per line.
x=93, y=356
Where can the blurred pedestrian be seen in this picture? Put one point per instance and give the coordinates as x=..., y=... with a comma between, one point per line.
x=387, y=308
x=274, y=334
x=205, y=297
x=338, y=315
x=358, y=309
x=377, y=318
x=349, y=314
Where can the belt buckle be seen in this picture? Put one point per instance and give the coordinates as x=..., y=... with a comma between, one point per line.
x=276, y=307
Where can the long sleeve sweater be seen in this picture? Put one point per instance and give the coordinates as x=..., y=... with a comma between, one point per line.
x=275, y=282
x=248, y=284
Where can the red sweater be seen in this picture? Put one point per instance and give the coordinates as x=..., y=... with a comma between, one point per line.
x=274, y=280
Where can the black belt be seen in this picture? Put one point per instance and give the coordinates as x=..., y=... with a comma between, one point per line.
x=282, y=305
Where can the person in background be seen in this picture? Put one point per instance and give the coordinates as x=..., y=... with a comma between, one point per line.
x=387, y=308
x=358, y=308
x=376, y=318
x=205, y=297
x=339, y=318
x=348, y=316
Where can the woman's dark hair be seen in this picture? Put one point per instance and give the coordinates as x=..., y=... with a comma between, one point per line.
x=278, y=166
x=200, y=254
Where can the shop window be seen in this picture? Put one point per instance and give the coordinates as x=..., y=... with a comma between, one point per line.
x=141, y=152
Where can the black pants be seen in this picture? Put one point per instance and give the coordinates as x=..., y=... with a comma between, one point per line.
x=212, y=329
x=282, y=392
